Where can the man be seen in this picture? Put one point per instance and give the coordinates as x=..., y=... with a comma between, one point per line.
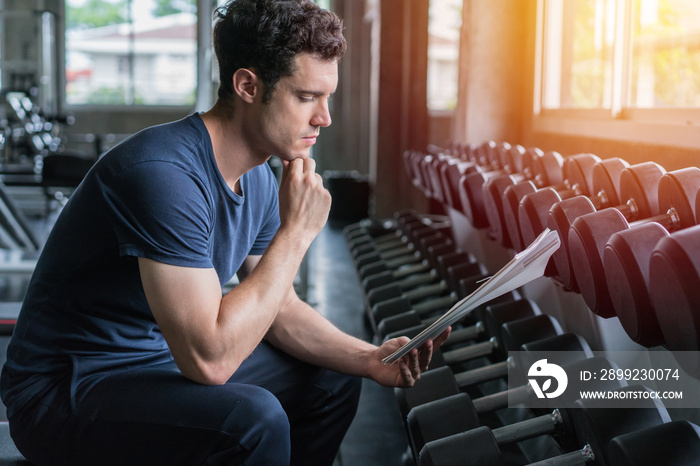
x=126, y=352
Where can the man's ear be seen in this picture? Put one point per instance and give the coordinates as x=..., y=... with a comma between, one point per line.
x=246, y=84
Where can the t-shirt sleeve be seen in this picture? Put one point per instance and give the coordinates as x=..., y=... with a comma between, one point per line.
x=271, y=222
x=160, y=211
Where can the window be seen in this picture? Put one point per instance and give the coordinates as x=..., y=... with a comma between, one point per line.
x=665, y=61
x=127, y=52
x=445, y=21
x=622, y=62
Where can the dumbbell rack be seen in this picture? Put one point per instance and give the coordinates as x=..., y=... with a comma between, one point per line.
x=435, y=174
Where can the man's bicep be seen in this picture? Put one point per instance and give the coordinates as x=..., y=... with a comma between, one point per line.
x=185, y=302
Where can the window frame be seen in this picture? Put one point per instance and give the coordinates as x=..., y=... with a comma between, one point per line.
x=666, y=126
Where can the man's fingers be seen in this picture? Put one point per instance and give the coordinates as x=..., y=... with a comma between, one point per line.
x=406, y=373
x=414, y=358
x=425, y=355
x=309, y=166
x=437, y=343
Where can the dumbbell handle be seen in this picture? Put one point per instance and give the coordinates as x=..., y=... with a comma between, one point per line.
x=433, y=305
x=404, y=260
x=418, y=279
x=502, y=399
x=482, y=374
x=580, y=457
x=411, y=269
x=528, y=428
x=425, y=291
x=467, y=333
x=470, y=352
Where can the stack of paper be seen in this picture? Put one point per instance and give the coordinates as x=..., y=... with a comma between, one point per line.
x=526, y=266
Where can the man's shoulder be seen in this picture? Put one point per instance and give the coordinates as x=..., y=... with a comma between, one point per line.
x=180, y=143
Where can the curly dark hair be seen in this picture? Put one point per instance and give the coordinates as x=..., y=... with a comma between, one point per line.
x=266, y=35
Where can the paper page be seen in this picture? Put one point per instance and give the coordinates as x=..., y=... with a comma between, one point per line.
x=526, y=266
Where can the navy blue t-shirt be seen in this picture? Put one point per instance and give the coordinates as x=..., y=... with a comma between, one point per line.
x=158, y=195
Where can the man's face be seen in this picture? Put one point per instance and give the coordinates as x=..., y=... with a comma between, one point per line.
x=290, y=122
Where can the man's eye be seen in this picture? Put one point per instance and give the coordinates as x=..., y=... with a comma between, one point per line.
x=306, y=99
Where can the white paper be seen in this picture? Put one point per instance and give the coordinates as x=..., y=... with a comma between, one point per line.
x=526, y=266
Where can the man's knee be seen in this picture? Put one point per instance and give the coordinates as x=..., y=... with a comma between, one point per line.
x=261, y=426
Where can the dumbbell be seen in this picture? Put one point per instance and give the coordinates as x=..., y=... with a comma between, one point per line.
x=411, y=253
x=635, y=188
x=451, y=170
x=534, y=207
x=430, y=249
x=439, y=259
x=376, y=231
x=435, y=169
x=576, y=170
x=429, y=286
x=398, y=314
x=594, y=426
x=412, y=161
x=568, y=347
x=590, y=233
x=406, y=234
x=446, y=294
x=627, y=261
x=410, y=167
x=459, y=413
x=369, y=227
x=442, y=381
x=674, y=443
x=471, y=192
x=543, y=169
x=674, y=285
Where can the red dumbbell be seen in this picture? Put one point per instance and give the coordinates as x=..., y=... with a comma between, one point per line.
x=470, y=188
x=674, y=285
x=626, y=261
x=451, y=171
x=577, y=170
x=543, y=169
x=534, y=207
x=636, y=185
x=462, y=161
x=590, y=233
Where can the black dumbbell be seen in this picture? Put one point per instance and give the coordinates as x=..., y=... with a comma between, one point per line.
x=408, y=230
x=374, y=262
x=440, y=258
x=398, y=319
x=483, y=445
x=443, y=263
x=442, y=381
x=460, y=413
x=674, y=443
x=425, y=286
x=373, y=228
x=371, y=253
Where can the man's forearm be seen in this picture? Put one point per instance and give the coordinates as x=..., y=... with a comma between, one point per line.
x=305, y=334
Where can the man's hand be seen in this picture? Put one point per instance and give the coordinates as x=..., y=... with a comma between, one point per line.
x=407, y=370
x=304, y=202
